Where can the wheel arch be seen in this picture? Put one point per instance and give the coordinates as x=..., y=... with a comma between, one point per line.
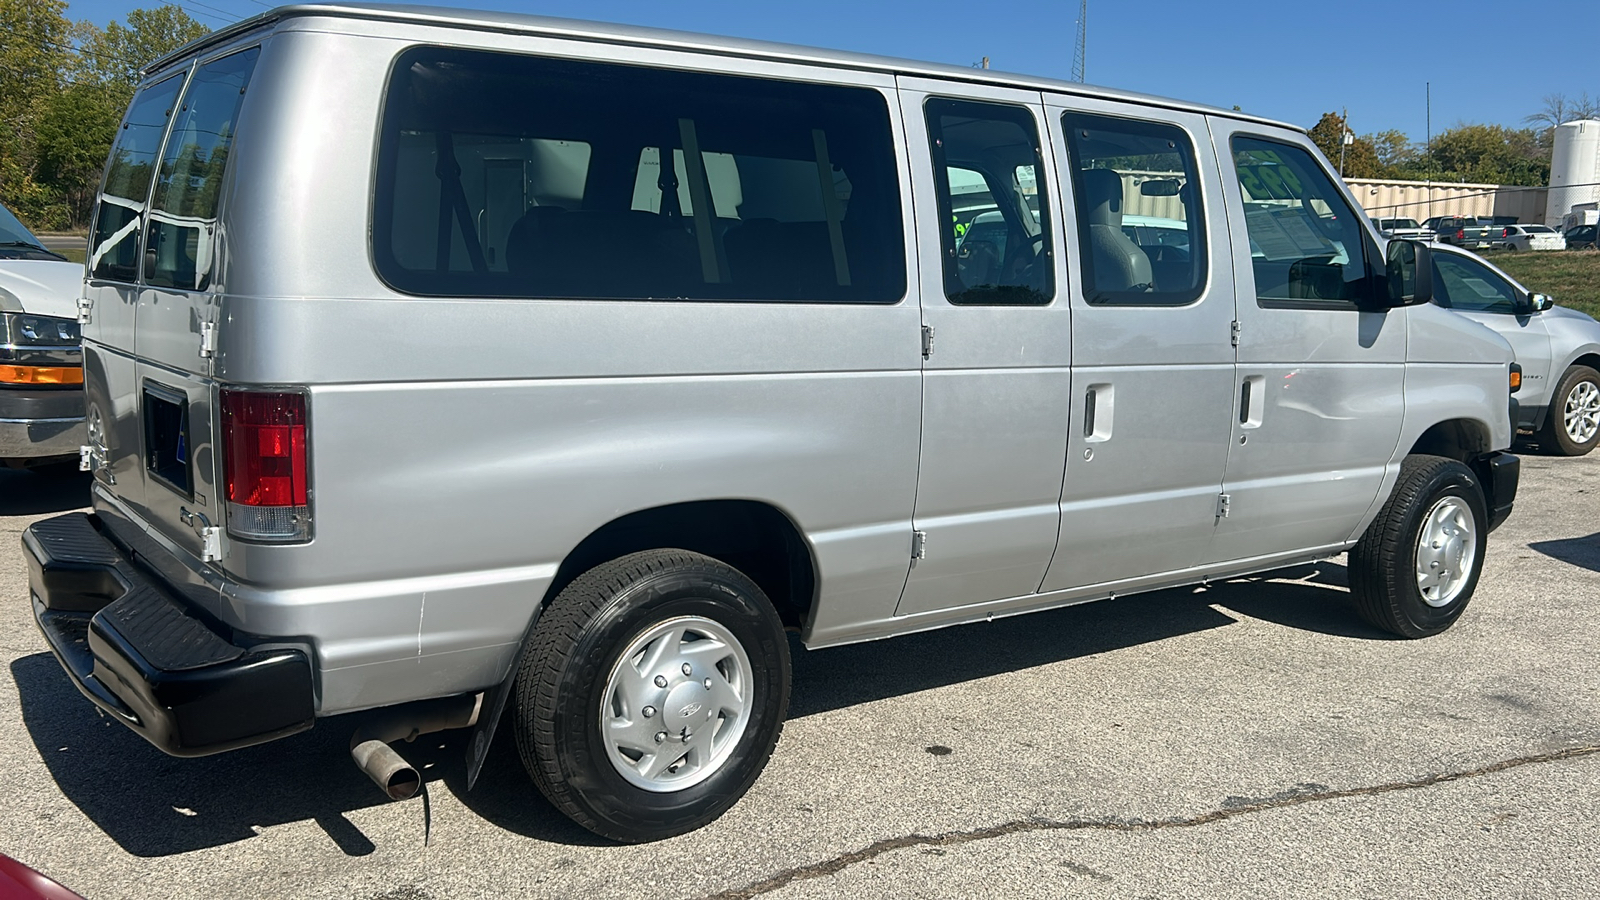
x=753, y=536
x=1461, y=439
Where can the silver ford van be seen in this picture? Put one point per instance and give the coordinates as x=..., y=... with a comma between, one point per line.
x=488, y=370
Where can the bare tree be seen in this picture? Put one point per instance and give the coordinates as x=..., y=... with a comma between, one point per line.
x=1559, y=109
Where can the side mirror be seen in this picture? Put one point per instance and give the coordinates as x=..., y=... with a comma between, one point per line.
x=1541, y=302
x=1409, y=267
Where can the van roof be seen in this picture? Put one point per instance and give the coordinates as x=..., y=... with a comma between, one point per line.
x=633, y=35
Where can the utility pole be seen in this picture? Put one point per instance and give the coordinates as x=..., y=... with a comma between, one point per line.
x=1346, y=137
x=1428, y=117
x=1081, y=50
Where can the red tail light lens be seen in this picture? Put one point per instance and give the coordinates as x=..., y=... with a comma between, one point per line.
x=1461, y=234
x=264, y=465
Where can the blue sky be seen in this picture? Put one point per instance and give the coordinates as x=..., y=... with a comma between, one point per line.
x=1487, y=62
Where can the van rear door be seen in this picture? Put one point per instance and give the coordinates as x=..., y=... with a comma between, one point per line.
x=177, y=314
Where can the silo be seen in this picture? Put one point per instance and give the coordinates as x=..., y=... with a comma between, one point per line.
x=1574, y=168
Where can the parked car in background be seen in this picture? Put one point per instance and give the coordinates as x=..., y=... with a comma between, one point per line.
x=1582, y=237
x=1558, y=348
x=1529, y=237
x=41, y=366
x=1460, y=231
x=1402, y=228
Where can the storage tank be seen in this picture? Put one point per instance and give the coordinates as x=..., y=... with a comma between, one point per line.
x=1574, y=168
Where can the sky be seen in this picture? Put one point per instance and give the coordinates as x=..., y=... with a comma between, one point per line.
x=1293, y=61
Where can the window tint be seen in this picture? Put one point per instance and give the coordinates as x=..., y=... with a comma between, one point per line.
x=183, y=210
x=1140, y=225
x=114, y=246
x=1305, y=243
x=1463, y=284
x=997, y=249
x=516, y=176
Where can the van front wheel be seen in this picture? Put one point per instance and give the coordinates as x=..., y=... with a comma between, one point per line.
x=1416, y=566
x=652, y=694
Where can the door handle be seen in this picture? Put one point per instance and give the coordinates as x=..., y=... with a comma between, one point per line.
x=1099, y=405
x=1252, y=401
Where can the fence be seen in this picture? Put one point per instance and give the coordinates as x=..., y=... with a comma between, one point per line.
x=1423, y=200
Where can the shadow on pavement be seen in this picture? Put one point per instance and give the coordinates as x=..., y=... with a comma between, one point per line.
x=24, y=493
x=1582, y=552
x=1311, y=598
x=153, y=805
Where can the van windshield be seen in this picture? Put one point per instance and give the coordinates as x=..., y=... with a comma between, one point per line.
x=517, y=176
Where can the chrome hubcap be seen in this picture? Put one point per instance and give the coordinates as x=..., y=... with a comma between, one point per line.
x=1582, y=413
x=1446, y=551
x=675, y=705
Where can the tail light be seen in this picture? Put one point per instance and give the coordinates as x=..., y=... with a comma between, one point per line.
x=264, y=465
x=1461, y=234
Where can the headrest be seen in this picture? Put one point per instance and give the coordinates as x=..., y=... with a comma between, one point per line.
x=1103, y=191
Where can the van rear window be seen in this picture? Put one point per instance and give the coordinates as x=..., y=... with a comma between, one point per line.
x=503, y=175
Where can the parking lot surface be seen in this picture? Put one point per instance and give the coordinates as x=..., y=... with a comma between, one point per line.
x=1249, y=739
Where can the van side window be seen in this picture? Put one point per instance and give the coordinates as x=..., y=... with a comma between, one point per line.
x=1140, y=227
x=114, y=245
x=1306, y=244
x=995, y=222
x=183, y=210
x=1463, y=284
x=502, y=175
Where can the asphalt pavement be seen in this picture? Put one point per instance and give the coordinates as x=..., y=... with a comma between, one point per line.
x=1250, y=739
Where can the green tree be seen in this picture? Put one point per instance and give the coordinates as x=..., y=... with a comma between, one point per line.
x=1360, y=157
x=1490, y=154
x=34, y=56
x=73, y=137
x=1394, y=150
x=113, y=57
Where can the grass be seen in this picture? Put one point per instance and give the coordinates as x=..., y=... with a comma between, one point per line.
x=1572, y=277
x=74, y=255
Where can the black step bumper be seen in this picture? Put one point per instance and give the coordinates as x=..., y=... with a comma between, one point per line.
x=187, y=685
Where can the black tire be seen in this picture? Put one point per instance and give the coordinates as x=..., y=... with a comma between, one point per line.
x=575, y=647
x=1383, y=564
x=1553, y=437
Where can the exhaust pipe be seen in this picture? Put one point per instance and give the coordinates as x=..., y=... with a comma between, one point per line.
x=370, y=749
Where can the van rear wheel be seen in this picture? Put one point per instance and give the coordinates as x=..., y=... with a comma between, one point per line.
x=1415, y=568
x=652, y=694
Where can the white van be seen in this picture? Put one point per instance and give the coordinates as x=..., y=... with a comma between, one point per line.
x=448, y=362
x=41, y=370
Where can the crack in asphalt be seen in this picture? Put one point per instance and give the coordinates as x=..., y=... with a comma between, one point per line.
x=1231, y=808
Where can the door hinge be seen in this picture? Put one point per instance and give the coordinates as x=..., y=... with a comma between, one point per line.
x=1223, y=501
x=85, y=307
x=927, y=341
x=208, y=339
x=919, y=545
x=1234, y=333
x=210, y=543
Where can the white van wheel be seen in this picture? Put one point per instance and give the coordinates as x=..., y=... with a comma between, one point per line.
x=652, y=694
x=1416, y=566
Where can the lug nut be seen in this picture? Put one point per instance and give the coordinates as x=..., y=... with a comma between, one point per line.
x=661, y=681
x=708, y=684
x=687, y=670
x=661, y=736
x=649, y=711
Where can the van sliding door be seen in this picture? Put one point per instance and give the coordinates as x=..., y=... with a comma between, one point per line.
x=995, y=378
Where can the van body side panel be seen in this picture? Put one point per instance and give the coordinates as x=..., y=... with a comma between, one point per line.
x=1140, y=491
x=1309, y=458
x=995, y=404
x=460, y=448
